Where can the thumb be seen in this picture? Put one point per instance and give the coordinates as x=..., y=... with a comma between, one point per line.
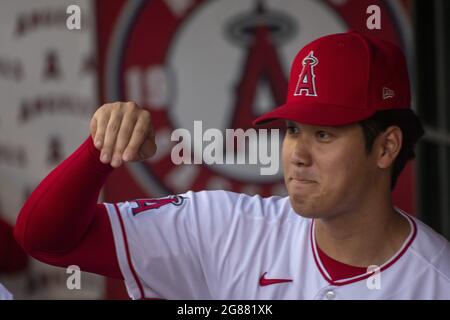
x=148, y=148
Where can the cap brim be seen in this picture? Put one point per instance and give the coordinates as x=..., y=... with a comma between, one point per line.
x=315, y=114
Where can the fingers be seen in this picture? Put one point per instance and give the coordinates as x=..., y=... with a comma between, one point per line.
x=123, y=138
x=148, y=148
x=112, y=129
x=93, y=128
x=101, y=121
x=122, y=132
x=142, y=143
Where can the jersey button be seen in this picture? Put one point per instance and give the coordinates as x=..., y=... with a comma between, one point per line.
x=330, y=295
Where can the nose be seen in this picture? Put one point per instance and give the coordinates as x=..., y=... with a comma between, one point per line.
x=300, y=154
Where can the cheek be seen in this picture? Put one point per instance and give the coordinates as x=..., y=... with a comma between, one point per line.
x=342, y=171
x=285, y=148
x=285, y=156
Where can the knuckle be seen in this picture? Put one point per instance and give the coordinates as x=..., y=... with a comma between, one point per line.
x=132, y=148
x=101, y=130
x=144, y=113
x=98, y=111
x=116, y=116
x=119, y=148
x=114, y=126
x=99, y=115
x=131, y=106
x=103, y=106
x=125, y=129
x=107, y=147
x=106, y=107
x=109, y=140
x=115, y=107
x=103, y=112
x=122, y=142
x=140, y=131
x=116, y=113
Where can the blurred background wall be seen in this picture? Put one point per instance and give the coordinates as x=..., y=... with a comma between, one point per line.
x=188, y=60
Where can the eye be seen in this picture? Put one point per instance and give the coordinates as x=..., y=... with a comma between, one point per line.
x=323, y=136
x=290, y=129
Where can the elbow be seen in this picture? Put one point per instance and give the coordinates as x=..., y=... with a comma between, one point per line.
x=25, y=234
x=32, y=249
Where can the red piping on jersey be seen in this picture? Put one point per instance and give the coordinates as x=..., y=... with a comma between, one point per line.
x=367, y=275
x=337, y=270
x=315, y=258
x=130, y=264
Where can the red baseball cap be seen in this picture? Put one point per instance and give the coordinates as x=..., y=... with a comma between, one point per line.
x=344, y=78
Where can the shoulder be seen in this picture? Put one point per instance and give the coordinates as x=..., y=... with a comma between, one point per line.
x=209, y=210
x=273, y=208
x=213, y=202
x=219, y=209
x=433, y=249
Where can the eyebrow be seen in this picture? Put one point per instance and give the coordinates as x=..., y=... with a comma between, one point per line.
x=291, y=123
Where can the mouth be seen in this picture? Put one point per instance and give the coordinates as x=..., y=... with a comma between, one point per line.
x=302, y=181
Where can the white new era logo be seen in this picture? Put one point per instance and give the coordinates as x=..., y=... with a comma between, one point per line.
x=388, y=93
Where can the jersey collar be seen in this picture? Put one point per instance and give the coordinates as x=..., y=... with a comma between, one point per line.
x=387, y=264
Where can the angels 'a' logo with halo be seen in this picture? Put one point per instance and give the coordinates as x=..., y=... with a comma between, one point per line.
x=306, y=84
x=219, y=62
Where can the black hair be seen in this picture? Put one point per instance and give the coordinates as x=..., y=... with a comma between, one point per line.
x=410, y=126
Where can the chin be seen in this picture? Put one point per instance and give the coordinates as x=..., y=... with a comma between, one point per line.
x=305, y=210
x=308, y=214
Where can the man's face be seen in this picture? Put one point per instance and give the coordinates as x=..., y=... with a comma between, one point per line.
x=326, y=169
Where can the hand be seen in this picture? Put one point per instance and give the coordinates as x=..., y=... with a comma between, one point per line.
x=122, y=132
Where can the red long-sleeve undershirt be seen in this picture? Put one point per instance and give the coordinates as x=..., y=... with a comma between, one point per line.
x=61, y=223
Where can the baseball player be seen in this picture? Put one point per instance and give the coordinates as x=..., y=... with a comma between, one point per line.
x=349, y=133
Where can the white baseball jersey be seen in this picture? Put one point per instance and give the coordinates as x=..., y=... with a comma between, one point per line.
x=5, y=294
x=224, y=245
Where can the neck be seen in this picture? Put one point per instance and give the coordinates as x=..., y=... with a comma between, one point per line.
x=364, y=236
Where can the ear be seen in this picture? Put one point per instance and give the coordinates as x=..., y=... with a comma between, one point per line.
x=389, y=146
